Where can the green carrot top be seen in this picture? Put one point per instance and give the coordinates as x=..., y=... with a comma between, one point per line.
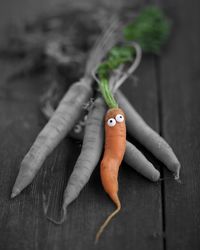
x=117, y=56
x=150, y=30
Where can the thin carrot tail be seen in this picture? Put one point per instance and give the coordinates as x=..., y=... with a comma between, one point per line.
x=109, y=218
x=177, y=167
x=63, y=218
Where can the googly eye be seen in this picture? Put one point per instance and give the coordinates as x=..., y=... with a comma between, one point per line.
x=119, y=118
x=111, y=122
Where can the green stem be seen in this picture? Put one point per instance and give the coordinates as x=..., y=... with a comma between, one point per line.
x=107, y=94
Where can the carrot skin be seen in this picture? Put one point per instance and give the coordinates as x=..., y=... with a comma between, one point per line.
x=142, y=132
x=134, y=158
x=114, y=149
x=90, y=152
x=115, y=146
x=61, y=123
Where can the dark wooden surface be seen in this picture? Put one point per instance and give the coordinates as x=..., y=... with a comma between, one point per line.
x=163, y=216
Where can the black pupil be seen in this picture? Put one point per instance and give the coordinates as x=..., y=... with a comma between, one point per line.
x=111, y=121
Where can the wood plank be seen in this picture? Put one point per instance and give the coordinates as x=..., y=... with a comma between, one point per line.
x=180, y=94
x=22, y=221
x=139, y=221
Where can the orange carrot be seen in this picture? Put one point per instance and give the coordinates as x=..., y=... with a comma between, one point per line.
x=115, y=146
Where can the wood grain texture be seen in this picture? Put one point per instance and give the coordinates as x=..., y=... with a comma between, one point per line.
x=180, y=87
x=22, y=221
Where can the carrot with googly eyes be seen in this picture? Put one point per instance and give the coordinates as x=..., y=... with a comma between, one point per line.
x=115, y=128
x=114, y=150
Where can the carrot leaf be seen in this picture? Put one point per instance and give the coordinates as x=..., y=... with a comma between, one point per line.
x=150, y=29
x=117, y=56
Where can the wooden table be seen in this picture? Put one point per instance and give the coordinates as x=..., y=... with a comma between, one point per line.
x=163, y=216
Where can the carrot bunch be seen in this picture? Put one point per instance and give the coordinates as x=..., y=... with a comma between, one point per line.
x=108, y=59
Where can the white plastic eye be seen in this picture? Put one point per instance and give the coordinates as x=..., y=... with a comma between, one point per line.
x=111, y=122
x=119, y=118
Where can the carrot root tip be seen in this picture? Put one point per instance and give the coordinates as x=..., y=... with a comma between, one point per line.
x=14, y=193
x=63, y=218
x=177, y=167
x=177, y=179
x=177, y=174
x=104, y=225
x=156, y=176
